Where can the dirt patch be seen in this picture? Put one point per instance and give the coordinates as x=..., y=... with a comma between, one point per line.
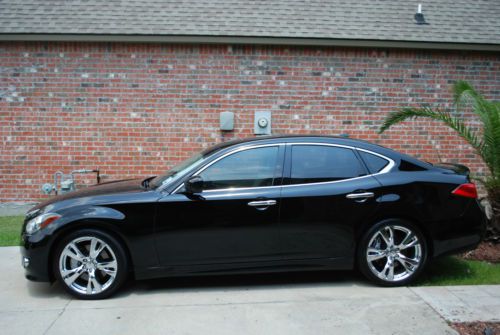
x=477, y=328
x=486, y=251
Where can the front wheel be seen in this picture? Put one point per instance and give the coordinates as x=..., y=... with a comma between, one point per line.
x=392, y=253
x=90, y=264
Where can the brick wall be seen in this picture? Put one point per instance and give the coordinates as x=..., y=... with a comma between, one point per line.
x=136, y=109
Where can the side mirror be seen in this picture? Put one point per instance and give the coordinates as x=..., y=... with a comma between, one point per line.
x=194, y=185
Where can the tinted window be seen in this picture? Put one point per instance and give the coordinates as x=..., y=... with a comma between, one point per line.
x=248, y=168
x=407, y=166
x=375, y=163
x=317, y=163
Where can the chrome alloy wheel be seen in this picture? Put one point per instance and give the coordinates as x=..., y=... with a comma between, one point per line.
x=394, y=253
x=88, y=265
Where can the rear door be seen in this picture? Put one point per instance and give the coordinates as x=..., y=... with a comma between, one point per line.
x=327, y=193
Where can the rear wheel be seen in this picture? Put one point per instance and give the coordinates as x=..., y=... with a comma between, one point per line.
x=392, y=253
x=90, y=264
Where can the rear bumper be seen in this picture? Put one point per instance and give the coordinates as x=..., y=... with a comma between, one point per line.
x=456, y=245
x=466, y=232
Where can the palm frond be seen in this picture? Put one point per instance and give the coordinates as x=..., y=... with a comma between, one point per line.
x=464, y=94
x=486, y=141
x=491, y=136
x=461, y=90
x=455, y=123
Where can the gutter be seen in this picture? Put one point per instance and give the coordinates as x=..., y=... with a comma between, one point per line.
x=199, y=39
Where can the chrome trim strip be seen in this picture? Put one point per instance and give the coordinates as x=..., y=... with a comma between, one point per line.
x=388, y=167
x=384, y=170
x=323, y=144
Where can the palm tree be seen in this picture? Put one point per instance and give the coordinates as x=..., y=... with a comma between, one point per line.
x=485, y=141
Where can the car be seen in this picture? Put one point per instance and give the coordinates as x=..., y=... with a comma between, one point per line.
x=266, y=204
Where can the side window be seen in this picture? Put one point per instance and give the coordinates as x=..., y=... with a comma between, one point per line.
x=375, y=163
x=319, y=163
x=247, y=168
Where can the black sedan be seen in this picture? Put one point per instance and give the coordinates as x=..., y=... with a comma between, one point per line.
x=269, y=204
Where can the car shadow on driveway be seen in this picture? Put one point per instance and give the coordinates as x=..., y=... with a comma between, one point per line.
x=243, y=282
x=215, y=283
x=45, y=290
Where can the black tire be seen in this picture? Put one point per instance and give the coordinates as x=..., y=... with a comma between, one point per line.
x=113, y=276
x=379, y=270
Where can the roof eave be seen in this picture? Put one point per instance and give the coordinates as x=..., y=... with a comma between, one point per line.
x=249, y=40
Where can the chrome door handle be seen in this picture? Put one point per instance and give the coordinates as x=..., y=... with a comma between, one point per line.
x=364, y=195
x=262, y=203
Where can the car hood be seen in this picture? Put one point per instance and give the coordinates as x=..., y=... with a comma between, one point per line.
x=108, y=188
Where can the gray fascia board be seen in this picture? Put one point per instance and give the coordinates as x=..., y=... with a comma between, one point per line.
x=186, y=39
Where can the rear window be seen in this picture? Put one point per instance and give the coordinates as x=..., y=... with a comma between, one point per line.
x=375, y=163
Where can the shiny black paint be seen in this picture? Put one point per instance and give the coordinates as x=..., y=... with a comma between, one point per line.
x=221, y=228
x=317, y=221
x=311, y=226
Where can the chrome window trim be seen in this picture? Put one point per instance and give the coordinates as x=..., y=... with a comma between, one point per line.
x=249, y=147
x=384, y=170
x=387, y=168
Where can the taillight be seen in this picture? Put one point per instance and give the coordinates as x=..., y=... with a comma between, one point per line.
x=466, y=190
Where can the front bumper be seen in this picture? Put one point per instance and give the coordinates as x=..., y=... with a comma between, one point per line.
x=35, y=260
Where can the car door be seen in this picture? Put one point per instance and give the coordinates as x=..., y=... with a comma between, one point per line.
x=327, y=193
x=235, y=218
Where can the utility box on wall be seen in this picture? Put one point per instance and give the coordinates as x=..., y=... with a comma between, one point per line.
x=227, y=121
x=262, y=123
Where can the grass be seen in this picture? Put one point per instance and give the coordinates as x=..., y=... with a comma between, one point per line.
x=443, y=271
x=10, y=230
x=457, y=271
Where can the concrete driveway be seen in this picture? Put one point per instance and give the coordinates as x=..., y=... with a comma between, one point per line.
x=314, y=303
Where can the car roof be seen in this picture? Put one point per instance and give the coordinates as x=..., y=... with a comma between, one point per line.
x=362, y=144
x=296, y=138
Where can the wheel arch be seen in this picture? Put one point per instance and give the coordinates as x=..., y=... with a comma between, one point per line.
x=97, y=224
x=363, y=229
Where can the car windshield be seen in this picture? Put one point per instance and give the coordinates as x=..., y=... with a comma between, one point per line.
x=183, y=167
x=178, y=169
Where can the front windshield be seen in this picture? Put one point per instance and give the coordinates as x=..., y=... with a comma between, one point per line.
x=185, y=166
x=178, y=169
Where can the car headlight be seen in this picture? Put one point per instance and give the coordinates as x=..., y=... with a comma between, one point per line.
x=40, y=222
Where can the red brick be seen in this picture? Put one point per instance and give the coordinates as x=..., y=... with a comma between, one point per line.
x=72, y=112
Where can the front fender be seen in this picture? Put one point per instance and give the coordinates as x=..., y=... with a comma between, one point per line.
x=82, y=214
x=122, y=222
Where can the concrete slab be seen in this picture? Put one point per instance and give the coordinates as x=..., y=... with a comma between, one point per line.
x=34, y=322
x=463, y=303
x=19, y=294
x=305, y=303
x=344, y=316
x=169, y=293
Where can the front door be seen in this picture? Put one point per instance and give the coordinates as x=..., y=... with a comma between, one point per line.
x=234, y=219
